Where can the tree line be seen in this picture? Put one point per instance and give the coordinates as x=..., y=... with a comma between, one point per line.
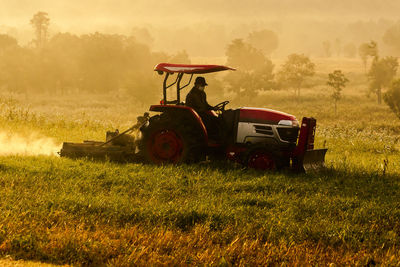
x=256, y=73
x=67, y=63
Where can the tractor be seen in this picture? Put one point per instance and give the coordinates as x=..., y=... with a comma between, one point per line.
x=258, y=138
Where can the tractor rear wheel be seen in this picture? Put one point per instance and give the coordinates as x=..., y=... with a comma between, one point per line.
x=168, y=141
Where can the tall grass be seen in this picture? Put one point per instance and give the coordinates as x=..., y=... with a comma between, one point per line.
x=82, y=212
x=96, y=213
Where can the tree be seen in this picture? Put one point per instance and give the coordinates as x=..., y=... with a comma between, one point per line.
x=327, y=48
x=40, y=22
x=337, y=81
x=244, y=56
x=381, y=74
x=143, y=35
x=17, y=66
x=265, y=40
x=182, y=57
x=103, y=61
x=338, y=46
x=392, y=37
x=254, y=70
x=392, y=97
x=350, y=50
x=373, y=49
x=7, y=41
x=295, y=70
x=63, y=51
x=367, y=49
x=248, y=83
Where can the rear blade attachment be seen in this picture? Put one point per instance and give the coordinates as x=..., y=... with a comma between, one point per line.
x=314, y=160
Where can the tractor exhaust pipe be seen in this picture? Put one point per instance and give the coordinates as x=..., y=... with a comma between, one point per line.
x=305, y=158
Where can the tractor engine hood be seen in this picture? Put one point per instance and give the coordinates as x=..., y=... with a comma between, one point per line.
x=267, y=116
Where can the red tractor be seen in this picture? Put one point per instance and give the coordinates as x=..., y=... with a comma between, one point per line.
x=255, y=137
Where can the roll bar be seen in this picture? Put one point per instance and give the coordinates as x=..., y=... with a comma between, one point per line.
x=182, y=69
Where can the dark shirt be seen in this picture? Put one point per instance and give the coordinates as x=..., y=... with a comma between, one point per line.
x=197, y=100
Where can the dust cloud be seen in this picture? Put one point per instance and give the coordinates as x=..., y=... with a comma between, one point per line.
x=29, y=146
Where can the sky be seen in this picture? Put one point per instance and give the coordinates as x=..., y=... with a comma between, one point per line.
x=94, y=13
x=293, y=20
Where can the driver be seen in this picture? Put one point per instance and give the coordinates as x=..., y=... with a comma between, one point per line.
x=197, y=99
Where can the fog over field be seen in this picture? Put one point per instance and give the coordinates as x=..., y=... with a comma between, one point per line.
x=203, y=28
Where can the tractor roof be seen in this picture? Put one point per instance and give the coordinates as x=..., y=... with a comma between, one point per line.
x=189, y=69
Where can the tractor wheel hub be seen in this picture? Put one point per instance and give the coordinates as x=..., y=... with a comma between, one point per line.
x=166, y=146
x=261, y=160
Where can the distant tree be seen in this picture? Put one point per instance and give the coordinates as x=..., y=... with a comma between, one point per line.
x=392, y=97
x=265, y=40
x=337, y=81
x=244, y=56
x=381, y=74
x=338, y=46
x=368, y=49
x=63, y=53
x=249, y=83
x=40, y=22
x=254, y=70
x=182, y=57
x=350, y=50
x=143, y=35
x=17, y=66
x=7, y=41
x=102, y=62
x=373, y=49
x=295, y=70
x=327, y=48
x=363, y=52
x=392, y=37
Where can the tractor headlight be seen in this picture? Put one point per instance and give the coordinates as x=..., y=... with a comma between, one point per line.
x=294, y=123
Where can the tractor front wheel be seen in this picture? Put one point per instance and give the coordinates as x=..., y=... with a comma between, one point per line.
x=261, y=159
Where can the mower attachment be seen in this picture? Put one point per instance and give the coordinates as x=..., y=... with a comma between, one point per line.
x=95, y=150
x=120, y=147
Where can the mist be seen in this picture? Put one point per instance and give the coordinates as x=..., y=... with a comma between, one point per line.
x=204, y=28
x=32, y=145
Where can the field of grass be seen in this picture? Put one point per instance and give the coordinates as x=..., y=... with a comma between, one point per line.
x=64, y=211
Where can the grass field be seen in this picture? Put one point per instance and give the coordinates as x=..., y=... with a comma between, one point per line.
x=64, y=211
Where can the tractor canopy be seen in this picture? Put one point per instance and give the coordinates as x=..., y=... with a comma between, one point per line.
x=189, y=69
x=182, y=69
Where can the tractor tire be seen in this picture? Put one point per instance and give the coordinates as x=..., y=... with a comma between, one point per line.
x=168, y=140
x=263, y=158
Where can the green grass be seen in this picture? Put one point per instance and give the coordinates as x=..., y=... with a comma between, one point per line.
x=95, y=213
x=356, y=210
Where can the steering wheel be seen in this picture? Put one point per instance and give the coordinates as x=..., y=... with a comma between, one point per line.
x=221, y=106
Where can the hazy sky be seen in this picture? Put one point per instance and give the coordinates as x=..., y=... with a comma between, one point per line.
x=311, y=21
x=92, y=13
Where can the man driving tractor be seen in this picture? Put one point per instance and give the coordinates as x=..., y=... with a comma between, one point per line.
x=258, y=138
x=197, y=99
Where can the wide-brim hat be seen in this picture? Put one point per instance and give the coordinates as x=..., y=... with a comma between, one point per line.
x=200, y=81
